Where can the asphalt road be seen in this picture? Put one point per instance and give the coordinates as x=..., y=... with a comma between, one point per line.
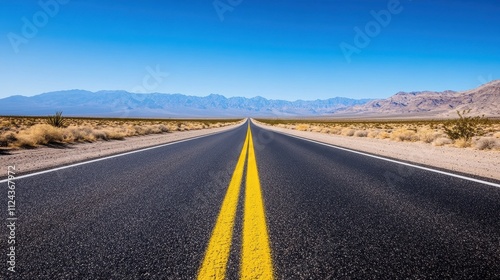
x=330, y=214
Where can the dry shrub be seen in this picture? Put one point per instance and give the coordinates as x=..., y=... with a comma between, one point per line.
x=402, y=134
x=316, y=128
x=441, y=141
x=462, y=143
x=348, y=131
x=195, y=126
x=373, y=134
x=164, y=128
x=302, y=127
x=172, y=127
x=79, y=134
x=39, y=134
x=114, y=134
x=188, y=127
x=383, y=135
x=142, y=130
x=487, y=143
x=7, y=138
x=428, y=135
x=99, y=135
x=496, y=135
x=325, y=130
x=336, y=130
x=361, y=133
x=157, y=129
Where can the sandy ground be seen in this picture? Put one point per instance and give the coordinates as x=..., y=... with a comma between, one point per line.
x=465, y=160
x=47, y=157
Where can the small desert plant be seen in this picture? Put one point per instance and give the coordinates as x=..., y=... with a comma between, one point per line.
x=462, y=143
x=302, y=127
x=487, y=143
x=373, y=134
x=57, y=120
x=465, y=127
x=40, y=134
x=441, y=141
x=403, y=134
x=361, y=133
x=6, y=139
x=383, y=135
x=427, y=135
x=348, y=131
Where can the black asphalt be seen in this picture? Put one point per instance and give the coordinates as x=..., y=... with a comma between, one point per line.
x=331, y=214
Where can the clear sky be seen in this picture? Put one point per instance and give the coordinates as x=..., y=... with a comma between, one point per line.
x=282, y=49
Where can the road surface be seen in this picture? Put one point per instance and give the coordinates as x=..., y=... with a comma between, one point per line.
x=250, y=204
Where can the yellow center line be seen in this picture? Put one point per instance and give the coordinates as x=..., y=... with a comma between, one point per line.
x=217, y=254
x=256, y=262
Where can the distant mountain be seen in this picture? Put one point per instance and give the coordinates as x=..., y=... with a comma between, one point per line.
x=482, y=100
x=126, y=104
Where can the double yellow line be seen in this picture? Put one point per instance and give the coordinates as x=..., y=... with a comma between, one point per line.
x=256, y=262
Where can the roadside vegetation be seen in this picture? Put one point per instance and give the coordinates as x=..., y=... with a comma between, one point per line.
x=31, y=132
x=465, y=131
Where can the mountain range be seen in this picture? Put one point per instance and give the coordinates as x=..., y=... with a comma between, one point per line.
x=426, y=104
x=126, y=104
x=483, y=100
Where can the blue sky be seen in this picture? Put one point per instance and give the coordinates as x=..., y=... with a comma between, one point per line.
x=282, y=49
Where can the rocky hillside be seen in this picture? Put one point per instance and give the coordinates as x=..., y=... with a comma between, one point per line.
x=482, y=100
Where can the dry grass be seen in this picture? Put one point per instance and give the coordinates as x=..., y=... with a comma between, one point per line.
x=302, y=127
x=373, y=133
x=27, y=132
x=403, y=134
x=462, y=143
x=428, y=135
x=430, y=132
